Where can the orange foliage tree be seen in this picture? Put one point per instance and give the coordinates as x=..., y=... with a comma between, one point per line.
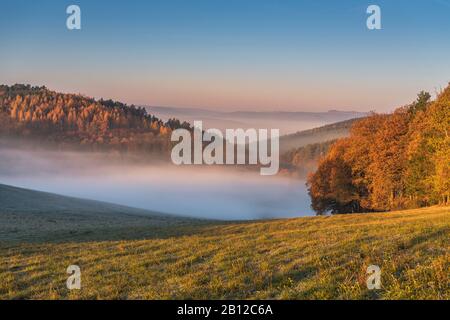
x=391, y=161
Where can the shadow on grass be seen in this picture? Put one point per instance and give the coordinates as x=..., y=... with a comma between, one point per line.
x=110, y=233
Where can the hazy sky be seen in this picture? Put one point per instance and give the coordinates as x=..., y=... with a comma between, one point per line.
x=231, y=54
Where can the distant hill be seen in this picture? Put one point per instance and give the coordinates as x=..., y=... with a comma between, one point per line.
x=302, y=161
x=300, y=152
x=317, y=135
x=329, y=116
x=33, y=215
x=287, y=122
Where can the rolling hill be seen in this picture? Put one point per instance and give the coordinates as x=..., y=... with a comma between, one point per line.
x=27, y=215
x=40, y=116
x=317, y=135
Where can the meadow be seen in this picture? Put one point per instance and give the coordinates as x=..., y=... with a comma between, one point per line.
x=305, y=258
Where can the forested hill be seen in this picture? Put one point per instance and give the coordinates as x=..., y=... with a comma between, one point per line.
x=389, y=161
x=317, y=135
x=72, y=119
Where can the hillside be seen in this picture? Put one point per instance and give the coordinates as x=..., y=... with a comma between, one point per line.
x=317, y=135
x=300, y=152
x=300, y=162
x=73, y=120
x=304, y=258
x=27, y=215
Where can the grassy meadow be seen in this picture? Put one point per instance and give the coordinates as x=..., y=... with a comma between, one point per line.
x=305, y=258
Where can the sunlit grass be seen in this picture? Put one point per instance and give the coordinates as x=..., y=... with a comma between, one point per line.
x=305, y=258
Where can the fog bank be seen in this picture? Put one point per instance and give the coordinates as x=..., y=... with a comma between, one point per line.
x=202, y=191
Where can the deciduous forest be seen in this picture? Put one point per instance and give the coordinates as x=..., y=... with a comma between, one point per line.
x=389, y=161
x=67, y=119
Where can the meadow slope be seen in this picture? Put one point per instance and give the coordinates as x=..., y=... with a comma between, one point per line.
x=31, y=216
x=304, y=258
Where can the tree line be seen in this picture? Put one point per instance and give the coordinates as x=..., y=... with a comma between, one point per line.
x=389, y=161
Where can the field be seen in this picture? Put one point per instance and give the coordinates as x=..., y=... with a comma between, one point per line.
x=304, y=258
x=31, y=216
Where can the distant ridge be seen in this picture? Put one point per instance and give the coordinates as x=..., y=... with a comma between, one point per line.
x=317, y=135
x=259, y=114
x=287, y=121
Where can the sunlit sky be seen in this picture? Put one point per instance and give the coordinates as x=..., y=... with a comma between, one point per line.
x=305, y=55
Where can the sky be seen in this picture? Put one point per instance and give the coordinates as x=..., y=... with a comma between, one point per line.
x=267, y=55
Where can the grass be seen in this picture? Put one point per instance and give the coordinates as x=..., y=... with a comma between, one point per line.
x=32, y=216
x=304, y=258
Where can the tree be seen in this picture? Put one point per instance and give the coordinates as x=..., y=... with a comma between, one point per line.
x=331, y=187
x=389, y=162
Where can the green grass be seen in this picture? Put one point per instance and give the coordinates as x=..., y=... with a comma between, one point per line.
x=305, y=258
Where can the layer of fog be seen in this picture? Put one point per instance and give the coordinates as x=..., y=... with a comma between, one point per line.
x=206, y=192
x=286, y=122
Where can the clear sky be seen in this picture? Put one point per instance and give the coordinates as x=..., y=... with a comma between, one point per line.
x=231, y=54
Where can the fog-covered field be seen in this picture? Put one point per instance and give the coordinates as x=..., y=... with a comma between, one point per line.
x=205, y=192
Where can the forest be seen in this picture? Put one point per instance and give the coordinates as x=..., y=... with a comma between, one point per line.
x=389, y=162
x=59, y=119
x=70, y=121
x=299, y=162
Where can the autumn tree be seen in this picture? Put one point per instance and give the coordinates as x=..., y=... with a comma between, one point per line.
x=81, y=121
x=392, y=161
